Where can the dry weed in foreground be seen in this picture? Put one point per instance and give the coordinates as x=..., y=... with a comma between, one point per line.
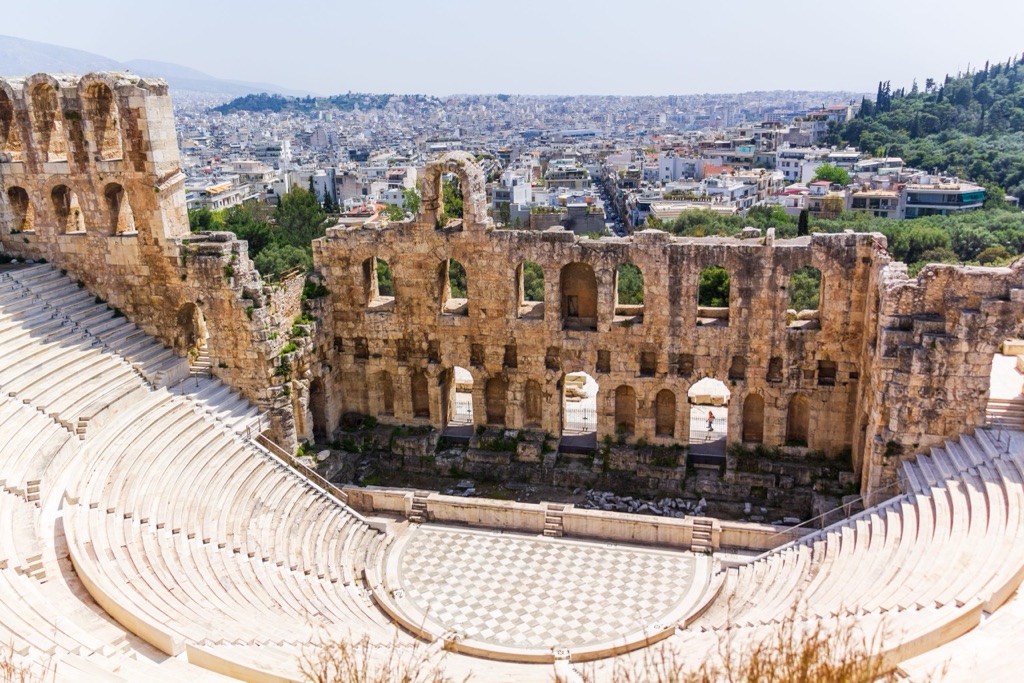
x=797, y=651
x=360, y=661
x=10, y=672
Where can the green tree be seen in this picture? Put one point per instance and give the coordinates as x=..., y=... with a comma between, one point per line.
x=804, y=288
x=713, y=287
x=833, y=174
x=412, y=200
x=533, y=282
x=504, y=213
x=300, y=218
x=393, y=212
x=630, y=285
x=457, y=279
x=804, y=224
x=278, y=258
x=203, y=219
x=451, y=201
x=385, y=284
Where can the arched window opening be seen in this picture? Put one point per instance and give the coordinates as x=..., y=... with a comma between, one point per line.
x=579, y=413
x=738, y=369
x=709, y=420
x=629, y=295
x=753, y=419
x=533, y=408
x=798, y=420
x=578, y=285
x=805, y=287
x=101, y=112
x=191, y=333
x=387, y=393
x=713, y=296
x=318, y=410
x=23, y=217
x=451, y=213
x=495, y=398
x=665, y=414
x=420, y=395
x=530, y=288
x=378, y=285
x=67, y=210
x=454, y=288
x=47, y=124
x=119, y=211
x=625, y=410
x=11, y=148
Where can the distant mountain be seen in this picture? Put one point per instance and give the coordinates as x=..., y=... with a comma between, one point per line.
x=20, y=57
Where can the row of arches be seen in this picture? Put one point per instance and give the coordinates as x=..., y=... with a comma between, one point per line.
x=672, y=416
x=66, y=212
x=578, y=287
x=48, y=121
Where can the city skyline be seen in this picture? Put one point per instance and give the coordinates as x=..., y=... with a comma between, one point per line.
x=539, y=49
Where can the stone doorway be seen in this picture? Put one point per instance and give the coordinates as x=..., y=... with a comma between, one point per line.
x=709, y=420
x=579, y=413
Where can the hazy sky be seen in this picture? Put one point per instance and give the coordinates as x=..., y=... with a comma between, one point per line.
x=628, y=47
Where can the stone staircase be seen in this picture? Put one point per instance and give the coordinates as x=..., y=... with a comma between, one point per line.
x=1006, y=412
x=201, y=365
x=553, y=524
x=702, y=531
x=419, y=507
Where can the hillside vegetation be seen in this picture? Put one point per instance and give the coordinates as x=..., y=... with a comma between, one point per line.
x=970, y=125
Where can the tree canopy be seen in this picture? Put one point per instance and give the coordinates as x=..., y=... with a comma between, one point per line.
x=833, y=174
x=970, y=125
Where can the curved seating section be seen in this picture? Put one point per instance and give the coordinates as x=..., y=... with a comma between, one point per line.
x=70, y=303
x=923, y=565
x=187, y=538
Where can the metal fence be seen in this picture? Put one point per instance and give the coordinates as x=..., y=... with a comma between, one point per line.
x=579, y=418
x=700, y=433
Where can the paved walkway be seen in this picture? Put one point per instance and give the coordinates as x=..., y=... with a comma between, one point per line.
x=534, y=592
x=1006, y=380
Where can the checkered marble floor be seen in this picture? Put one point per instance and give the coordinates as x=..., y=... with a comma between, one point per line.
x=536, y=592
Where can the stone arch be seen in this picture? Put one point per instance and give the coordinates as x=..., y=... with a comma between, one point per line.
x=420, y=395
x=753, y=419
x=453, y=286
x=387, y=393
x=23, y=216
x=665, y=413
x=533, y=410
x=378, y=283
x=470, y=180
x=495, y=399
x=578, y=285
x=798, y=420
x=529, y=290
x=67, y=210
x=47, y=120
x=629, y=293
x=805, y=290
x=713, y=296
x=318, y=410
x=120, y=218
x=191, y=333
x=11, y=146
x=625, y=409
x=101, y=113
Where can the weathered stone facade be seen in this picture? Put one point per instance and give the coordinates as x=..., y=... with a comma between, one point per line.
x=90, y=180
x=391, y=351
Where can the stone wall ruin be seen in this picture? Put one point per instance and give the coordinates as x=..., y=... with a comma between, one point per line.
x=90, y=180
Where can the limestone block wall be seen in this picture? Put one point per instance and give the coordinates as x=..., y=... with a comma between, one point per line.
x=91, y=180
x=394, y=358
x=932, y=361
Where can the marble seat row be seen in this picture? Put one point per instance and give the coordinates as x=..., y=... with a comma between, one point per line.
x=963, y=503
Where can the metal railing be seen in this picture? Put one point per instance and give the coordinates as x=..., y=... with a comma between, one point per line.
x=699, y=431
x=579, y=418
